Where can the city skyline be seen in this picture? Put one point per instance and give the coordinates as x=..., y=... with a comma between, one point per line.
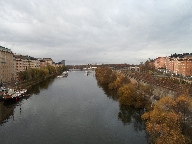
x=85, y=31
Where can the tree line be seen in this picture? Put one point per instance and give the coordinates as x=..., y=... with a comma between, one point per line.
x=167, y=121
x=42, y=73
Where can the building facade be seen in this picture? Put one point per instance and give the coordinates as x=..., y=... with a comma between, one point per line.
x=48, y=61
x=7, y=65
x=159, y=62
x=183, y=66
x=179, y=64
x=169, y=64
x=24, y=62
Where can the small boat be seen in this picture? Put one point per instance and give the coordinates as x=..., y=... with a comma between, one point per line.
x=59, y=76
x=14, y=95
x=21, y=92
x=64, y=74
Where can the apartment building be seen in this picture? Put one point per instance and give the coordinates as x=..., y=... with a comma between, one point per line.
x=11, y=64
x=48, y=61
x=180, y=64
x=7, y=65
x=169, y=64
x=42, y=62
x=159, y=62
x=45, y=62
x=24, y=62
x=59, y=64
x=183, y=65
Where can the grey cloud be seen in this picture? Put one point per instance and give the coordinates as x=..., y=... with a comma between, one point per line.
x=85, y=31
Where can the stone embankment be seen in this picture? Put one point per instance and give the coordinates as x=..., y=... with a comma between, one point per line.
x=161, y=87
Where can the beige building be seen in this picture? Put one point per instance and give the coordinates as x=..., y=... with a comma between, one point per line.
x=48, y=61
x=7, y=65
x=59, y=64
x=24, y=62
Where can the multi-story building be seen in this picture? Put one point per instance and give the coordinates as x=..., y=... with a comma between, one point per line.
x=59, y=64
x=48, y=61
x=169, y=64
x=34, y=63
x=179, y=64
x=42, y=62
x=7, y=65
x=159, y=62
x=183, y=65
x=11, y=64
x=25, y=62
x=45, y=62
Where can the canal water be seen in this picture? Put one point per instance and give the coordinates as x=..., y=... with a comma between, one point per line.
x=72, y=110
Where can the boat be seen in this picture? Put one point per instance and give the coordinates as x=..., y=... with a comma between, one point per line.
x=60, y=76
x=21, y=92
x=9, y=95
x=14, y=95
x=64, y=74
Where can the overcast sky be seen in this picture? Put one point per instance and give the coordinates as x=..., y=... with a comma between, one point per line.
x=96, y=31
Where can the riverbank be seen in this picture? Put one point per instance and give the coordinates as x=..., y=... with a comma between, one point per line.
x=28, y=84
x=18, y=88
x=161, y=112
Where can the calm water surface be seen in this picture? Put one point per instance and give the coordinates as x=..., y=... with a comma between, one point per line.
x=72, y=110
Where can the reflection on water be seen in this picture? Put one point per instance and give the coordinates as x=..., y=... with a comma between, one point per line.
x=7, y=107
x=70, y=110
x=5, y=112
x=130, y=115
x=127, y=114
x=40, y=86
x=112, y=94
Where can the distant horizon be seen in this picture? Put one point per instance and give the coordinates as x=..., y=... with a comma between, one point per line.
x=95, y=62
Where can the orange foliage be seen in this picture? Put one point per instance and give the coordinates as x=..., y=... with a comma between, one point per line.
x=104, y=75
x=120, y=80
x=164, y=121
x=126, y=93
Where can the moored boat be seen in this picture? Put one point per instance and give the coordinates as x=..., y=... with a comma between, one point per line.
x=14, y=95
x=64, y=74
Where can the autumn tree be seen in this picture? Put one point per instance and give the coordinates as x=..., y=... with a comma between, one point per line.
x=183, y=106
x=127, y=94
x=118, y=82
x=104, y=75
x=164, y=122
